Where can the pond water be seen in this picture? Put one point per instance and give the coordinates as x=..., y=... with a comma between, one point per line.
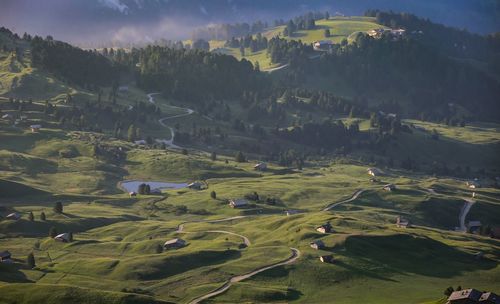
x=130, y=186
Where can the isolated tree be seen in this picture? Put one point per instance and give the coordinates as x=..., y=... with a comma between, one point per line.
x=70, y=237
x=159, y=248
x=147, y=190
x=240, y=157
x=31, y=217
x=448, y=291
x=213, y=195
x=42, y=216
x=213, y=156
x=141, y=189
x=327, y=33
x=31, y=260
x=52, y=232
x=58, y=207
x=131, y=133
x=256, y=66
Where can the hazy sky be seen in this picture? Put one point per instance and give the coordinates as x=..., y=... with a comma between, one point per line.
x=102, y=21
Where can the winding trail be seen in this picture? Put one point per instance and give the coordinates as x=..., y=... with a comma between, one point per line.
x=353, y=197
x=463, y=213
x=293, y=257
x=180, y=228
x=169, y=142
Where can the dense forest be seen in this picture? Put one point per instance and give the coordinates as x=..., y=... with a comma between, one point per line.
x=450, y=41
x=195, y=74
x=71, y=63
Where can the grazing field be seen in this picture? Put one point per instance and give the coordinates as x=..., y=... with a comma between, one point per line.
x=340, y=28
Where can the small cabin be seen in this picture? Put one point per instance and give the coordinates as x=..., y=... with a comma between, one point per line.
x=374, y=172
x=260, y=167
x=5, y=256
x=291, y=212
x=474, y=227
x=464, y=296
x=322, y=45
x=13, y=216
x=325, y=228
x=318, y=244
x=489, y=298
x=326, y=258
x=174, y=244
x=389, y=187
x=35, y=128
x=473, y=184
x=63, y=237
x=238, y=203
x=195, y=185
x=132, y=194
x=402, y=222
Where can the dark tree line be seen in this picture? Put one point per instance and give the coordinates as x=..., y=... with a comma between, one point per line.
x=196, y=75
x=85, y=68
x=329, y=134
x=450, y=41
x=411, y=70
x=255, y=44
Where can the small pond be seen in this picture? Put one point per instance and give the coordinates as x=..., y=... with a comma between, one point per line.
x=132, y=185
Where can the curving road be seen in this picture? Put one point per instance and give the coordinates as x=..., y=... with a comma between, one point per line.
x=353, y=197
x=169, y=142
x=180, y=228
x=295, y=255
x=463, y=213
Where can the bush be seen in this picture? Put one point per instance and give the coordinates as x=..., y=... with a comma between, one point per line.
x=31, y=261
x=252, y=196
x=58, y=208
x=213, y=194
x=52, y=232
x=240, y=157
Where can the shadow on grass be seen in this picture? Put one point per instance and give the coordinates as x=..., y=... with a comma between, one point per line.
x=417, y=255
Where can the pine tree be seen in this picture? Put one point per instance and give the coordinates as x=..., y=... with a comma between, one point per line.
x=131, y=133
x=31, y=260
x=213, y=195
x=52, y=232
x=58, y=208
x=240, y=157
x=159, y=248
x=42, y=216
x=213, y=156
x=31, y=217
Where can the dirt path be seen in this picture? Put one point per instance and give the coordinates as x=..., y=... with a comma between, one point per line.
x=295, y=255
x=463, y=213
x=353, y=197
x=169, y=142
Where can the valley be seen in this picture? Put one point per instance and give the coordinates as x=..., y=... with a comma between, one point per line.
x=165, y=175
